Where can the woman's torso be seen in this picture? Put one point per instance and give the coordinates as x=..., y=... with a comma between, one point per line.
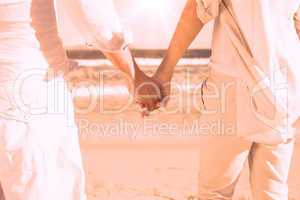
x=28, y=34
x=29, y=45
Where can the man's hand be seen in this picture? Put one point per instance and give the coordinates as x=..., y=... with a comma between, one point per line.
x=186, y=31
x=163, y=80
x=147, y=92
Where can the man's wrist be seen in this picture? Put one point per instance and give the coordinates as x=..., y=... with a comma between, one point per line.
x=164, y=73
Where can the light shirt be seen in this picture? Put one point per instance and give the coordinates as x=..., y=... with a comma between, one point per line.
x=256, y=42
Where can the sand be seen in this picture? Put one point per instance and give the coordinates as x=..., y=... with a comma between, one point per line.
x=135, y=163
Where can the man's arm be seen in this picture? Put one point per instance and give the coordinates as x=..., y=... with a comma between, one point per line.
x=187, y=29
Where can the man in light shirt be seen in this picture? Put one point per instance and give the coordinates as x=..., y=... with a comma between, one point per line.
x=255, y=67
x=40, y=156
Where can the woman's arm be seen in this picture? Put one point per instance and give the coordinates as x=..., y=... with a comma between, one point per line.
x=99, y=23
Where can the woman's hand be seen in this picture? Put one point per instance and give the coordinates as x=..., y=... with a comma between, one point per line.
x=147, y=92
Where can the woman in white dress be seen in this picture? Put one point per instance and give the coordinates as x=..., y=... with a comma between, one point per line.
x=39, y=150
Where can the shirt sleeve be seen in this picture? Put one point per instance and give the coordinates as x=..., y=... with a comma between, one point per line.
x=208, y=10
x=98, y=22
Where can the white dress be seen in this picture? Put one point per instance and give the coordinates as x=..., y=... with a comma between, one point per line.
x=40, y=156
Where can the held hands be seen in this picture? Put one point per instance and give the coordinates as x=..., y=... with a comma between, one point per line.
x=164, y=83
x=152, y=92
x=147, y=93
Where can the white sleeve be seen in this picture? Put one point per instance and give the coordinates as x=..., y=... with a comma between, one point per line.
x=208, y=9
x=99, y=23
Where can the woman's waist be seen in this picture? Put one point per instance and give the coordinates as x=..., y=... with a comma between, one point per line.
x=30, y=56
x=21, y=59
x=32, y=94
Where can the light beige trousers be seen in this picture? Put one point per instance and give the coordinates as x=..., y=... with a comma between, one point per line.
x=222, y=159
x=225, y=151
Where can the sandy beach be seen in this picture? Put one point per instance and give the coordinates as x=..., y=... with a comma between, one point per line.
x=126, y=161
